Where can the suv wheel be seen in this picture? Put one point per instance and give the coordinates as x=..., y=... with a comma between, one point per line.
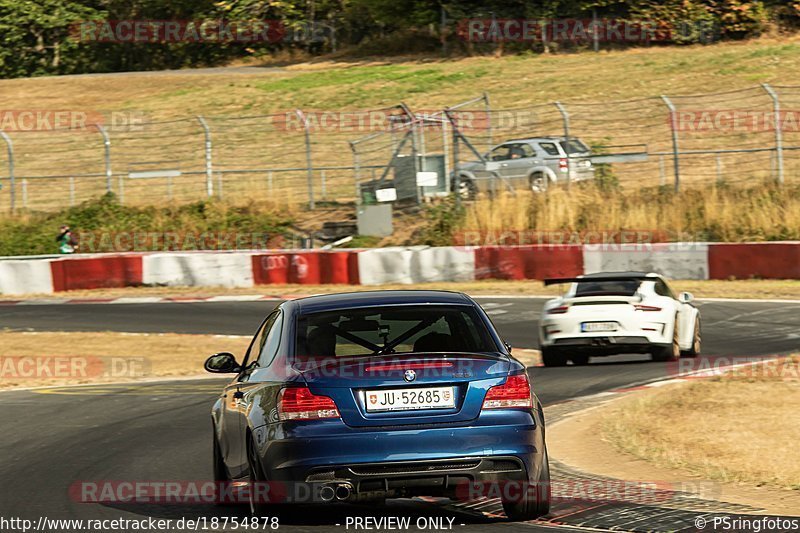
x=539, y=182
x=466, y=188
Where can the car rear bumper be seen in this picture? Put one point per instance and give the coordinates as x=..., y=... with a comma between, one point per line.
x=605, y=345
x=442, y=477
x=430, y=460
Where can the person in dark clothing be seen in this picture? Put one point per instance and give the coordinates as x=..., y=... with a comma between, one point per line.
x=66, y=242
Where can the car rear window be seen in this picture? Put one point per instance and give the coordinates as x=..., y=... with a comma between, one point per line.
x=413, y=329
x=607, y=288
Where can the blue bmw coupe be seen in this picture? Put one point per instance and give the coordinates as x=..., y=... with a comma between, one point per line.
x=373, y=395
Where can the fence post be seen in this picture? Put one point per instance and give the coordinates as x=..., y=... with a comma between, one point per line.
x=675, y=150
x=209, y=159
x=456, y=174
x=10, y=147
x=776, y=106
x=106, y=154
x=309, y=165
x=24, y=193
x=565, y=118
x=357, y=168
x=488, y=106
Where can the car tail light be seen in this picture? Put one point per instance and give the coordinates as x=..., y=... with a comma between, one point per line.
x=563, y=166
x=515, y=392
x=299, y=403
x=646, y=308
x=560, y=310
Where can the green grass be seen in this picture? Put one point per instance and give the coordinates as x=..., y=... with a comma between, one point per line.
x=105, y=218
x=356, y=83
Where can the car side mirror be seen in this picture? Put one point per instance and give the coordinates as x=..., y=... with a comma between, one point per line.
x=686, y=297
x=222, y=363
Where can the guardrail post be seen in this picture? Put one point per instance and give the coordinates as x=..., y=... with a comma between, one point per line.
x=776, y=107
x=11, y=184
x=565, y=119
x=106, y=154
x=309, y=165
x=209, y=159
x=673, y=118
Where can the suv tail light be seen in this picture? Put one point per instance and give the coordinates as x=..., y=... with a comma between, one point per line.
x=563, y=166
x=299, y=403
x=515, y=392
x=560, y=310
x=646, y=308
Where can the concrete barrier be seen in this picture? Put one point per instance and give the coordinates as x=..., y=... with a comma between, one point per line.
x=407, y=265
x=673, y=260
x=198, y=269
x=96, y=273
x=777, y=260
x=417, y=264
x=308, y=268
x=23, y=276
x=528, y=262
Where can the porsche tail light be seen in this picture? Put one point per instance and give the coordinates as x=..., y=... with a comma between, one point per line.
x=560, y=310
x=514, y=393
x=646, y=308
x=299, y=403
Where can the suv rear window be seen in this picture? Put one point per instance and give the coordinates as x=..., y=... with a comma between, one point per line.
x=550, y=148
x=386, y=330
x=607, y=288
x=574, y=146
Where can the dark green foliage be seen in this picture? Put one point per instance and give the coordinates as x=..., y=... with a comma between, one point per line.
x=37, y=38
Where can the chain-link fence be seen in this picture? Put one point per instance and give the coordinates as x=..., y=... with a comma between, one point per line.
x=313, y=157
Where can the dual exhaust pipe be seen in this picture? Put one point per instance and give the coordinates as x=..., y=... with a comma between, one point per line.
x=339, y=491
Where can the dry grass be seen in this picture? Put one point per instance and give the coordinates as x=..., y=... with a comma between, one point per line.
x=136, y=355
x=763, y=212
x=422, y=83
x=772, y=289
x=740, y=428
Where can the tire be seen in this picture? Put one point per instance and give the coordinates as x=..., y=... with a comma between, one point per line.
x=257, y=508
x=671, y=352
x=539, y=182
x=553, y=358
x=218, y=467
x=466, y=188
x=535, y=503
x=580, y=360
x=694, y=351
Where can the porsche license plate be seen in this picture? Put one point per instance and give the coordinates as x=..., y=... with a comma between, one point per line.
x=410, y=399
x=590, y=327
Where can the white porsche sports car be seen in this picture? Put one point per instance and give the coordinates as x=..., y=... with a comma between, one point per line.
x=618, y=312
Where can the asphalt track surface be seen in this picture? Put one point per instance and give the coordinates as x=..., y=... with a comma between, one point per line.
x=53, y=438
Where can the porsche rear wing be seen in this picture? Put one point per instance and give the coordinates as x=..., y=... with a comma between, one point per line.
x=559, y=281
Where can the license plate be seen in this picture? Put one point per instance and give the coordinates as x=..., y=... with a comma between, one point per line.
x=588, y=327
x=410, y=399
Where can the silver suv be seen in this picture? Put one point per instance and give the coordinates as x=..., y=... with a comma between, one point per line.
x=533, y=163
